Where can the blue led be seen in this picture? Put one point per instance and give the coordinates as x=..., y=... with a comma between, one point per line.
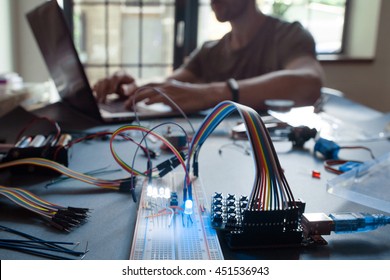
x=188, y=207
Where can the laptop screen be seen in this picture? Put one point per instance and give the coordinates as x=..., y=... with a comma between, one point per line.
x=55, y=42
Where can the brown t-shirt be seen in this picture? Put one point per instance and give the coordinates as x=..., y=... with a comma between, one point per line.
x=276, y=43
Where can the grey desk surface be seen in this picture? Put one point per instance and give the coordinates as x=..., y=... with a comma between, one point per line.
x=109, y=229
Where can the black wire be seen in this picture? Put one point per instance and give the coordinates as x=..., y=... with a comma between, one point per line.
x=22, y=247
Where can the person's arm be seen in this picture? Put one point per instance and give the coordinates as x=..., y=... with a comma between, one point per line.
x=124, y=85
x=183, y=75
x=300, y=81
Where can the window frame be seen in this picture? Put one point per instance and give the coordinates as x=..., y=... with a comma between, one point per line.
x=68, y=7
x=186, y=25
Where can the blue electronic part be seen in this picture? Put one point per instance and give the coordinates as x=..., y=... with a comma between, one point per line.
x=358, y=222
x=349, y=165
x=327, y=148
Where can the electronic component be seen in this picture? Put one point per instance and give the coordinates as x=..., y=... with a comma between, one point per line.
x=317, y=224
x=349, y=165
x=177, y=138
x=170, y=229
x=343, y=165
x=300, y=135
x=327, y=148
x=279, y=132
x=23, y=142
x=245, y=228
x=330, y=151
x=269, y=217
x=316, y=174
x=39, y=146
x=37, y=141
x=64, y=140
x=168, y=165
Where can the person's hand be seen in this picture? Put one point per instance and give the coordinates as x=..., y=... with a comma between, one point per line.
x=189, y=97
x=120, y=83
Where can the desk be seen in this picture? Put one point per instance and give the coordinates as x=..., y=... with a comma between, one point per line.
x=109, y=229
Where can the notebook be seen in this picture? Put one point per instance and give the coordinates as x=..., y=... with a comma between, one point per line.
x=55, y=42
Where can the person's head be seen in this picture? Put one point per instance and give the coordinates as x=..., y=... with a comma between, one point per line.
x=228, y=10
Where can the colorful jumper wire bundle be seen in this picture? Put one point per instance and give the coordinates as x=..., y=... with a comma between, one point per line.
x=63, y=218
x=178, y=158
x=120, y=185
x=270, y=190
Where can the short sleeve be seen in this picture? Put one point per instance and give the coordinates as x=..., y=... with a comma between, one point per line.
x=202, y=58
x=194, y=62
x=293, y=41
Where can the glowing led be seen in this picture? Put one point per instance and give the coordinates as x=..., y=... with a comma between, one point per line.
x=161, y=192
x=167, y=193
x=154, y=192
x=149, y=190
x=188, y=207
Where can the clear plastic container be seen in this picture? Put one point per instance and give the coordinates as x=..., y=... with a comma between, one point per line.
x=367, y=184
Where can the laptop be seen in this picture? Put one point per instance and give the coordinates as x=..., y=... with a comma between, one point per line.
x=55, y=42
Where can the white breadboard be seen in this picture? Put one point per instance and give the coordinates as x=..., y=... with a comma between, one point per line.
x=161, y=235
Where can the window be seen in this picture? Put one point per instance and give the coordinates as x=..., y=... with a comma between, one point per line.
x=323, y=18
x=133, y=35
x=148, y=38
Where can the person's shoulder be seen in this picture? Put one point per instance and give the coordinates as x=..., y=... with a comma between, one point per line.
x=207, y=45
x=210, y=44
x=283, y=24
x=288, y=31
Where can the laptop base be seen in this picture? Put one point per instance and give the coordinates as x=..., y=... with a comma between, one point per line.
x=66, y=117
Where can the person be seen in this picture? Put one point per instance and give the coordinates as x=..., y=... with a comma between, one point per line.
x=269, y=58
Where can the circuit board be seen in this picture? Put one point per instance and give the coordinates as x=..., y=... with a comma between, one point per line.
x=163, y=231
